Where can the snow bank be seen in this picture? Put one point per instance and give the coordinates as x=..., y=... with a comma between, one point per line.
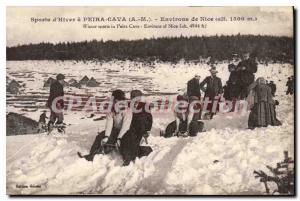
x=218, y=161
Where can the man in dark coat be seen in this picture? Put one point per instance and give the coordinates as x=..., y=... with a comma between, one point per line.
x=232, y=84
x=56, y=101
x=213, y=90
x=227, y=92
x=246, y=70
x=193, y=87
x=273, y=88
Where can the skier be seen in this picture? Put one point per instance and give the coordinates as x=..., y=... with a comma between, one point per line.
x=184, y=124
x=262, y=105
x=56, y=103
x=246, y=70
x=213, y=90
x=193, y=87
x=42, y=122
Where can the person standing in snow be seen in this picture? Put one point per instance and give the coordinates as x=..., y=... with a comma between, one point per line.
x=246, y=70
x=193, y=87
x=262, y=105
x=213, y=90
x=56, y=101
x=184, y=124
x=232, y=84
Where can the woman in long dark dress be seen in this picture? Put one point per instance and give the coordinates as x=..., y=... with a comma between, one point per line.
x=262, y=105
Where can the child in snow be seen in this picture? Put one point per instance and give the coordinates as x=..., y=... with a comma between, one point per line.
x=42, y=122
x=185, y=124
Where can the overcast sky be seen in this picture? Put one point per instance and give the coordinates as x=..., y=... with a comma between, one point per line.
x=277, y=21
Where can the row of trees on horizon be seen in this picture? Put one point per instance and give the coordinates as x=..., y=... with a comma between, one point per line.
x=166, y=49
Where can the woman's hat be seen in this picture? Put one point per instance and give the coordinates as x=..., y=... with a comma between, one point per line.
x=136, y=93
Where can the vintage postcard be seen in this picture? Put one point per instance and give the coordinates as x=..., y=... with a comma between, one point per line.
x=150, y=101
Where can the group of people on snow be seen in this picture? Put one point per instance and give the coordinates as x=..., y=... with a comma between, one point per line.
x=127, y=123
x=240, y=78
x=125, y=129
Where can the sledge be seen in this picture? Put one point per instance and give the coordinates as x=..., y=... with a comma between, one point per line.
x=144, y=150
x=104, y=149
x=181, y=134
x=61, y=128
x=178, y=134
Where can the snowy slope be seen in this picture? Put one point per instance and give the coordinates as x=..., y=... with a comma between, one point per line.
x=219, y=161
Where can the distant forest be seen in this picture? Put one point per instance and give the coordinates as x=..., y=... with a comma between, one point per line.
x=166, y=49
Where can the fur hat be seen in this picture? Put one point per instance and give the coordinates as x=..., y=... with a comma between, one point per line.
x=118, y=95
x=60, y=77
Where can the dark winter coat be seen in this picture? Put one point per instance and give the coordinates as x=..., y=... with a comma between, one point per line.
x=56, y=90
x=247, y=76
x=263, y=112
x=193, y=88
x=213, y=86
x=232, y=90
x=233, y=78
x=141, y=121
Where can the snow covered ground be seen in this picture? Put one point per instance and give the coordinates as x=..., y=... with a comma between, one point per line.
x=218, y=161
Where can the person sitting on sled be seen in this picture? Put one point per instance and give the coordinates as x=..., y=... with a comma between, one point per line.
x=185, y=124
x=141, y=123
x=118, y=122
x=121, y=131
